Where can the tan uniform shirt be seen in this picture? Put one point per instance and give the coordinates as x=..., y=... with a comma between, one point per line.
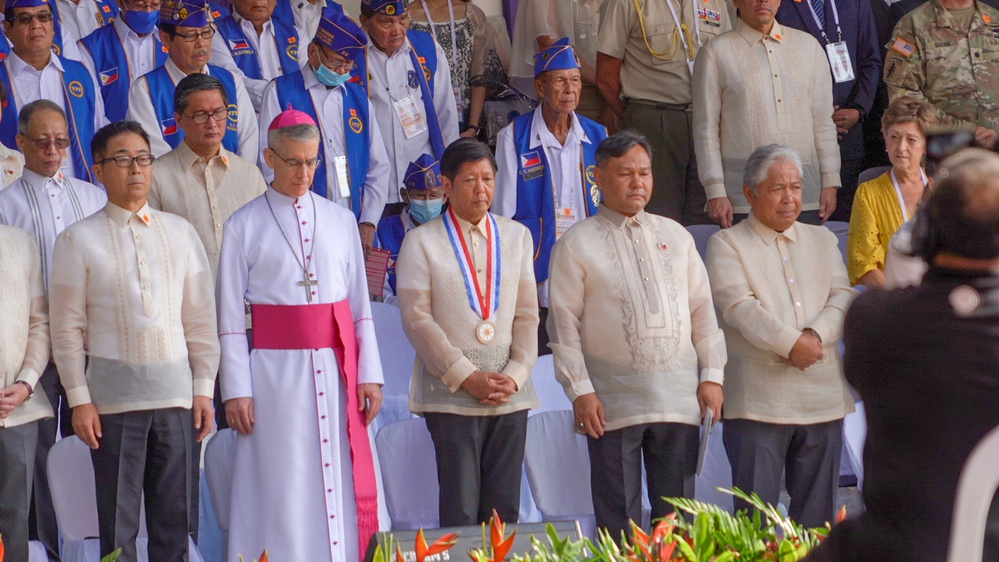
x=644, y=35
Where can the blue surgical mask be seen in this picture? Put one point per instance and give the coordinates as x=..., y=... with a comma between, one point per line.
x=330, y=78
x=424, y=211
x=141, y=22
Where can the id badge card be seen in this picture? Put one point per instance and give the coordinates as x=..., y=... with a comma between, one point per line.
x=839, y=61
x=564, y=220
x=342, y=181
x=413, y=122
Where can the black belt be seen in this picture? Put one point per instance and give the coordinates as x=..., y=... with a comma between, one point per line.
x=659, y=105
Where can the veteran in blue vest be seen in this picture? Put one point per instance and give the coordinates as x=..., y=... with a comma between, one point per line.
x=64, y=39
x=118, y=54
x=33, y=71
x=408, y=79
x=80, y=18
x=257, y=47
x=546, y=163
x=424, y=197
x=355, y=170
x=186, y=31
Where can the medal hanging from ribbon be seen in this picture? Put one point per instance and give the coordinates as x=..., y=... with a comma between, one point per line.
x=483, y=302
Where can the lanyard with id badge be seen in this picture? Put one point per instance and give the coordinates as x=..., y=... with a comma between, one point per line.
x=838, y=53
x=413, y=122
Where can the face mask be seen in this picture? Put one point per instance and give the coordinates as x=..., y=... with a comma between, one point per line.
x=329, y=78
x=425, y=211
x=141, y=22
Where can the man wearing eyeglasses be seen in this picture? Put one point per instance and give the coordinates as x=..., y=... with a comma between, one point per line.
x=44, y=202
x=145, y=311
x=355, y=169
x=118, y=54
x=186, y=31
x=303, y=479
x=257, y=47
x=34, y=72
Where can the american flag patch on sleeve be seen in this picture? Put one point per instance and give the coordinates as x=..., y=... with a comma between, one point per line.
x=903, y=47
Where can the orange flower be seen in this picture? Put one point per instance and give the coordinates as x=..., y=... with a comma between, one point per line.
x=440, y=545
x=841, y=515
x=1, y=548
x=264, y=557
x=500, y=547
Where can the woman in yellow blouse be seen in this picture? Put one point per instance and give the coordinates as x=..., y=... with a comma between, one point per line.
x=883, y=204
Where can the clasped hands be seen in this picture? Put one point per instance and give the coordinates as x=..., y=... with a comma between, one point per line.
x=491, y=388
x=11, y=397
x=805, y=352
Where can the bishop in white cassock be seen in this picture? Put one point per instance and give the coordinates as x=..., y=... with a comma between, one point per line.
x=304, y=481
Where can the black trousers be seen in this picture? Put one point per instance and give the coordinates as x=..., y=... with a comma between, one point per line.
x=543, y=339
x=809, y=454
x=147, y=452
x=43, y=525
x=17, y=464
x=479, y=466
x=670, y=454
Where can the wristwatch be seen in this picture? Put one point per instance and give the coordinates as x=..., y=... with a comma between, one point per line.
x=813, y=333
x=31, y=390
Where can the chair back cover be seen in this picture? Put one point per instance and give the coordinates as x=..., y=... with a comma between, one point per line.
x=409, y=474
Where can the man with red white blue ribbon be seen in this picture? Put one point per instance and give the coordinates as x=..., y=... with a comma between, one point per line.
x=474, y=356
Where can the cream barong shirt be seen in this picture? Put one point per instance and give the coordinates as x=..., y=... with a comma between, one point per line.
x=631, y=318
x=769, y=286
x=137, y=288
x=441, y=324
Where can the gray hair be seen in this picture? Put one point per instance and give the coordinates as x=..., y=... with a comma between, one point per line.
x=762, y=159
x=24, y=118
x=300, y=133
x=618, y=144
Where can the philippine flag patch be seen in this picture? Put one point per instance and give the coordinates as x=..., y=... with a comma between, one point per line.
x=109, y=76
x=168, y=126
x=530, y=160
x=238, y=45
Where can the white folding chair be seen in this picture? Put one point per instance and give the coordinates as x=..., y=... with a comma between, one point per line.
x=975, y=489
x=701, y=234
x=558, y=468
x=842, y=231
x=871, y=173
x=397, y=357
x=854, y=437
x=549, y=390
x=36, y=552
x=74, y=497
x=409, y=474
x=220, y=455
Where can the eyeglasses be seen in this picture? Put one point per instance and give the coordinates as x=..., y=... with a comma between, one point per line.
x=201, y=118
x=26, y=19
x=127, y=161
x=44, y=144
x=193, y=36
x=339, y=66
x=311, y=163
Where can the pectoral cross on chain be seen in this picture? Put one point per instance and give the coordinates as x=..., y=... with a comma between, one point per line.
x=308, y=284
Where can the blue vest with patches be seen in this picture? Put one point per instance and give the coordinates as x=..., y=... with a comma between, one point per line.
x=291, y=92
x=112, y=68
x=80, y=102
x=161, y=90
x=423, y=55
x=391, y=231
x=283, y=12
x=536, y=189
x=246, y=56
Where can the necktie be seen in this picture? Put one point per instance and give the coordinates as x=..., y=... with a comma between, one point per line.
x=820, y=11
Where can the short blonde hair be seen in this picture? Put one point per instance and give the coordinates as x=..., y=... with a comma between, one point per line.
x=908, y=109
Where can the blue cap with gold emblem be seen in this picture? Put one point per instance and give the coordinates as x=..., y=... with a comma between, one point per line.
x=187, y=13
x=387, y=7
x=423, y=174
x=26, y=3
x=339, y=33
x=560, y=56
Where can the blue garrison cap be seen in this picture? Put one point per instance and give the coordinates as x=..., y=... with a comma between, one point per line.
x=187, y=13
x=387, y=7
x=26, y=3
x=339, y=33
x=560, y=56
x=423, y=174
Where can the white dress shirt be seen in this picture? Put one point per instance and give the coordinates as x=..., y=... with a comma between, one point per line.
x=563, y=163
x=80, y=18
x=307, y=15
x=29, y=84
x=140, y=108
x=141, y=52
x=145, y=310
x=267, y=55
x=388, y=77
x=46, y=206
x=329, y=107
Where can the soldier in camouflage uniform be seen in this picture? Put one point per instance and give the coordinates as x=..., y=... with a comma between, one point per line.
x=946, y=52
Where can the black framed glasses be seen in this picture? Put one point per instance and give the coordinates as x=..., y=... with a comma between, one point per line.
x=44, y=144
x=193, y=36
x=311, y=163
x=127, y=161
x=26, y=19
x=201, y=118
x=341, y=67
